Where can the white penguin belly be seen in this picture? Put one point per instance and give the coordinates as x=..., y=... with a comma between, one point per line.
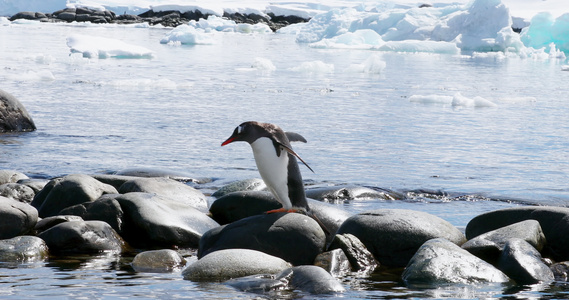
x=273, y=169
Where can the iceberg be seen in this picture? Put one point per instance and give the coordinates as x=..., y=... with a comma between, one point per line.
x=545, y=29
x=101, y=47
x=189, y=35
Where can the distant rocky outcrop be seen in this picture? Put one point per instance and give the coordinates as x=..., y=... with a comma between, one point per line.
x=13, y=115
x=169, y=18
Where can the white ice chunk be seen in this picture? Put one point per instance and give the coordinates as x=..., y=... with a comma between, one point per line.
x=253, y=28
x=189, y=35
x=101, y=47
x=263, y=64
x=372, y=65
x=431, y=99
x=420, y=46
x=565, y=68
x=4, y=21
x=460, y=100
x=314, y=67
x=360, y=39
x=42, y=75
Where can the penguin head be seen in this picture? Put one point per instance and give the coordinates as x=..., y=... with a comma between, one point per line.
x=246, y=132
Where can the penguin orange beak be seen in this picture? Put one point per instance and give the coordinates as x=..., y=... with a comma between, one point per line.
x=228, y=141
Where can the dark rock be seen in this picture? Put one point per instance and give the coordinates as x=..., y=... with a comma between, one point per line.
x=311, y=279
x=561, y=271
x=27, y=15
x=358, y=255
x=278, y=22
x=253, y=184
x=67, y=16
x=258, y=283
x=83, y=11
x=152, y=220
x=18, y=192
x=489, y=246
x=522, y=262
x=331, y=216
x=158, y=261
x=232, y=263
x=16, y=218
x=166, y=187
x=13, y=115
x=334, y=262
x=339, y=194
x=394, y=235
x=439, y=261
x=23, y=249
x=82, y=17
x=45, y=224
x=67, y=191
x=126, y=17
x=293, y=237
x=106, y=209
x=554, y=222
x=82, y=237
x=195, y=15
x=114, y=180
x=9, y=176
x=97, y=19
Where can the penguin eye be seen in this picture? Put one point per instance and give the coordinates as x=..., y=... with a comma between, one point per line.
x=239, y=129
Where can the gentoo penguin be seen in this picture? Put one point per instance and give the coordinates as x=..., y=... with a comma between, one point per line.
x=276, y=162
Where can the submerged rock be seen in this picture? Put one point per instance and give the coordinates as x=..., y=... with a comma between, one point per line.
x=439, y=261
x=293, y=237
x=82, y=237
x=158, y=261
x=157, y=172
x=348, y=192
x=13, y=115
x=489, y=246
x=233, y=263
x=22, y=249
x=67, y=191
x=394, y=235
x=16, y=218
x=554, y=222
x=523, y=263
x=311, y=279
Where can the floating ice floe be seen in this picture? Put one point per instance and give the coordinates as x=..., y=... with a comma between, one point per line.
x=263, y=64
x=372, y=65
x=316, y=66
x=101, y=47
x=457, y=100
x=189, y=35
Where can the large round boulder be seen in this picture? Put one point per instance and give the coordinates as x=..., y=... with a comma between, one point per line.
x=394, y=235
x=82, y=237
x=554, y=222
x=152, y=220
x=16, y=218
x=293, y=237
x=232, y=263
x=67, y=191
x=13, y=115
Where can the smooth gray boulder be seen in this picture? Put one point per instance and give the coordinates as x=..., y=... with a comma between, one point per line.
x=67, y=191
x=158, y=261
x=489, y=245
x=23, y=249
x=293, y=237
x=168, y=188
x=106, y=209
x=523, y=263
x=13, y=115
x=16, y=218
x=253, y=184
x=439, y=261
x=343, y=193
x=311, y=279
x=18, y=192
x=232, y=263
x=394, y=235
x=82, y=237
x=361, y=260
x=11, y=176
x=152, y=220
x=554, y=222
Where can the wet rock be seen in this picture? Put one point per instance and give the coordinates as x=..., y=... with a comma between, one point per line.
x=311, y=279
x=13, y=115
x=253, y=184
x=152, y=220
x=46, y=223
x=35, y=184
x=489, y=246
x=82, y=237
x=26, y=15
x=334, y=262
x=10, y=176
x=330, y=215
x=258, y=283
x=394, y=235
x=156, y=172
x=16, y=218
x=18, y=192
x=560, y=271
x=554, y=222
x=22, y=249
x=67, y=191
x=158, y=261
x=361, y=260
x=439, y=261
x=232, y=263
x=348, y=192
x=293, y=237
x=106, y=209
x=523, y=263
x=169, y=188
x=115, y=180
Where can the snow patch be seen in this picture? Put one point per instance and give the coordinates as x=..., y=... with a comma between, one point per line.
x=101, y=47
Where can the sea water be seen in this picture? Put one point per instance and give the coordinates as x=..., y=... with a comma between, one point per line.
x=413, y=123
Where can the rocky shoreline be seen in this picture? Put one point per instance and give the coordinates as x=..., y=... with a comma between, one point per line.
x=154, y=213
x=170, y=18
